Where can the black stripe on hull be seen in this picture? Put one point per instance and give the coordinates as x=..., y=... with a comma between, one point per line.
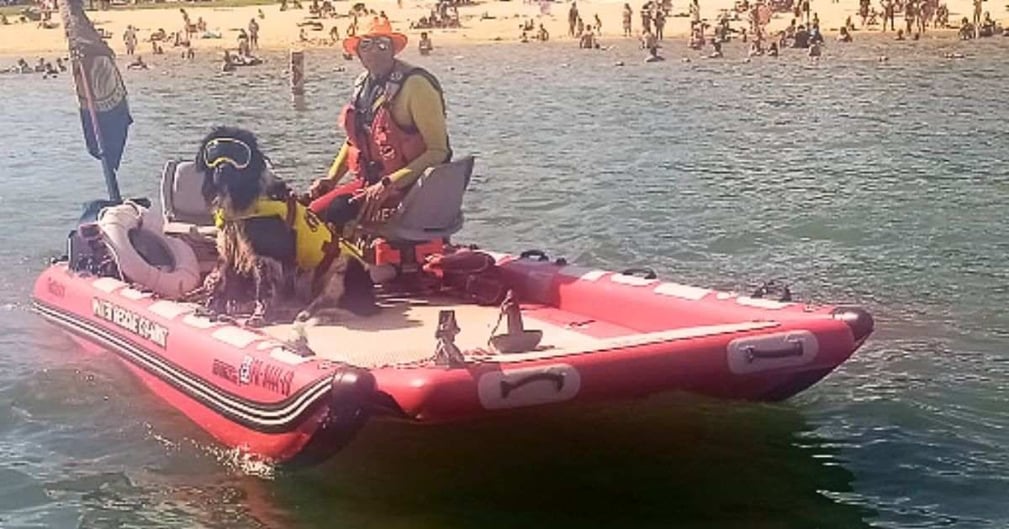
x=274, y=418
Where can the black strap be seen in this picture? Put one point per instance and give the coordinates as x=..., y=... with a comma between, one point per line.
x=292, y=211
x=330, y=251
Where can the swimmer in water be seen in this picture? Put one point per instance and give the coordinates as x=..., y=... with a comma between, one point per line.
x=814, y=50
x=137, y=64
x=229, y=62
x=653, y=54
x=425, y=46
x=717, y=54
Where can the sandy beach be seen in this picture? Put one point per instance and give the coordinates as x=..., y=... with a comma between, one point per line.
x=482, y=23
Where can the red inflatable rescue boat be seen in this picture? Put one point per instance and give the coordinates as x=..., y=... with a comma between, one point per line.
x=569, y=334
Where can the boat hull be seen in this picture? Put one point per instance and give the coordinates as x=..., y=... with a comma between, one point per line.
x=635, y=337
x=246, y=390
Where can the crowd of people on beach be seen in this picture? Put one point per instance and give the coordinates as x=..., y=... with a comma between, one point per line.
x=44, y=67
x=444, y=15
x=752, y=18
x=747, y=22
x=41, y=14
x=530, y=31
x=654, y=14
x=247, y=42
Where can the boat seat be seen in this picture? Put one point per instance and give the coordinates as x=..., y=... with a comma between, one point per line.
x=185, y=211
x=432, y=209
x=420, y=226
x=186, y=215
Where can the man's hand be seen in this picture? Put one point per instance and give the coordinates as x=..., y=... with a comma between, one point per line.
x=373, y=196
x=320, y=187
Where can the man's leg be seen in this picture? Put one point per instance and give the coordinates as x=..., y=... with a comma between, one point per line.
x=337, y=202
x=336, y=207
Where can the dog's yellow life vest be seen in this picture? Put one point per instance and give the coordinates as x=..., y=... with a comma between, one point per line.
x=313, y=237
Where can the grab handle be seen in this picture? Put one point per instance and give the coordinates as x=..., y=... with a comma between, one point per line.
x=508, y=387
x=645, y=273
x=771, y=286
x=752, y=353
x=539, y=255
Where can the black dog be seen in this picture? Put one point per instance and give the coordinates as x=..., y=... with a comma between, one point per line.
x=257, y=255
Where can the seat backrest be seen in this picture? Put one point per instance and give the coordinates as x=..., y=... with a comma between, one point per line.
x=182, y=194
x=433, y=207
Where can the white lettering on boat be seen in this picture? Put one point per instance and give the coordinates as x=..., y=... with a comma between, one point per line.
x=130, y=321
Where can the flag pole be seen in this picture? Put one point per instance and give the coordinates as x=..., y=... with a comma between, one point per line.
x=80, y=77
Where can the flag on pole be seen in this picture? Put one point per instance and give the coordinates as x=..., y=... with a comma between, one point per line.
x=105, y=115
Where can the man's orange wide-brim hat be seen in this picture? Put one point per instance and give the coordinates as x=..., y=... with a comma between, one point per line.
x=379, y=28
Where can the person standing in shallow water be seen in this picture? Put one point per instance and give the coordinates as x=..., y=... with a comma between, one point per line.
x=243, y=44
x=130, y=39
x=977, y=18
x=253, y=34
x=888, y=13
x=425, y=46
x=573, y=19
x=628, y=13
x=659, y=21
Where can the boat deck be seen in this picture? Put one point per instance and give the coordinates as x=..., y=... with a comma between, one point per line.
x=403, y=332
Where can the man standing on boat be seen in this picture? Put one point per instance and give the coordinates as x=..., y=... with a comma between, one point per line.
x=395, y=127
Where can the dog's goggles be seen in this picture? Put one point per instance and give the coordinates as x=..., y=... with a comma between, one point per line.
x=219, y=151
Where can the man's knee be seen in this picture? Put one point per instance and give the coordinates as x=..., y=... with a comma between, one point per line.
x=341, y=210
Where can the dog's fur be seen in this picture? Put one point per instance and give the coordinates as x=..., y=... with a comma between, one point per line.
x=256, y=256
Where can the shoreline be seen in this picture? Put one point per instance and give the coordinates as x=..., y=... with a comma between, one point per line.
x=485, y=23
x=670, y=46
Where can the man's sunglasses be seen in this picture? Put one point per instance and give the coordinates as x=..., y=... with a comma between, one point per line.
x=380, y=43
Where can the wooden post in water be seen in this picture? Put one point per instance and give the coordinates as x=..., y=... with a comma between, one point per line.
x=297, y=73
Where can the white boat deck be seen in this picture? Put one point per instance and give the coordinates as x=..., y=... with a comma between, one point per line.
x=403, y=332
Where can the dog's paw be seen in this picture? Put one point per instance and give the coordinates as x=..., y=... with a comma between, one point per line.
x=298, y=340
x=215, y=305
x=326, y=316
x=202, y=311
x=303, y=317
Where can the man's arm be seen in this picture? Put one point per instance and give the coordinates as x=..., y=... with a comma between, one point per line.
x=339, y=167
x=428, y=114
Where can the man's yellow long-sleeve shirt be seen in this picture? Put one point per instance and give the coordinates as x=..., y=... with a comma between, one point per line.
x=417, y=106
